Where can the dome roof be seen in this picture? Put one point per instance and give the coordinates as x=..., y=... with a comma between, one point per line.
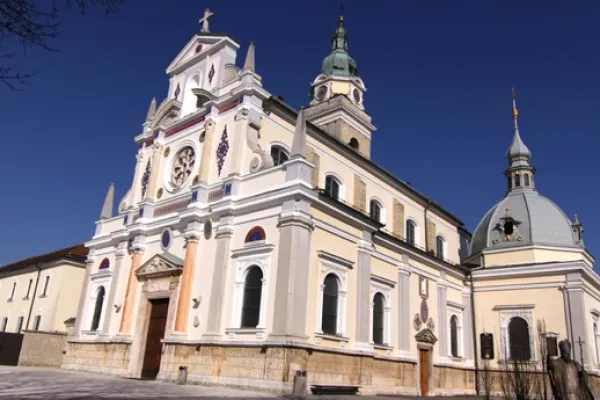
x=339, y=62
x=534, y=219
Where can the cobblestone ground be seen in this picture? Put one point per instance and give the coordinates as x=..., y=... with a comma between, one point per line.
x=38, y=383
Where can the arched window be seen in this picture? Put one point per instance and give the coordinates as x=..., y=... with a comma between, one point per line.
x=517, y=180
x=526, y=179
x=279, y=155
x=105, y=264
x=98, y=308
x=330, y=305
x=440, y=247
x=353, y=143
x=596, y=342
x=454, y=336
x=375, y=210
x=411, y=232
x=255, y=234
x=378, y=318
x=190, y=101
x=252, y=296
x=518, y=339
x=332, y=187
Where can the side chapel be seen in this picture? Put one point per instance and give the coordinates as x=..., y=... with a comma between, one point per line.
x=257, y=240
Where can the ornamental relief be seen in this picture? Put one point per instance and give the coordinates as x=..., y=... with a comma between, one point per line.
x=158, y=285
x=505, y=317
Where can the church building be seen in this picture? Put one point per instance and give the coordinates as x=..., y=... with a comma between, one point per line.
x=257, y=240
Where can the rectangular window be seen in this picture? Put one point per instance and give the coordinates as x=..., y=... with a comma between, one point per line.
x=4, y=324
x=19, y=324
x=46, y=283
x=12, y=293
x=36, y=322
x=28, y=289
x=517, y=180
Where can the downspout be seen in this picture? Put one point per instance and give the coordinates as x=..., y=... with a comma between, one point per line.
x=474, y=333
x=37, y=279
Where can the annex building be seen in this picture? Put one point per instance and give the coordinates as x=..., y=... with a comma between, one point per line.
x=257, y=240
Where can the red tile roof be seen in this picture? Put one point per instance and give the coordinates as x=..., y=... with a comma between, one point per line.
x=76, y=253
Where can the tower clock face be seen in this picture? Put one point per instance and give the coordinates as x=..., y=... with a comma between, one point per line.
x=356, y=95
x=321, y=93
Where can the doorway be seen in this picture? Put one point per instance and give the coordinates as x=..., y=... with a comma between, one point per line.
x=424, y=371
x=159, y=309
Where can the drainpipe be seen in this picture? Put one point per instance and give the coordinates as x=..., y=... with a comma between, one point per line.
x=473, y=325
x=37, y=279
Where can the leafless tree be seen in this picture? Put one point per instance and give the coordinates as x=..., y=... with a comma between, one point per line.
x=487, y=379
x=35, y=24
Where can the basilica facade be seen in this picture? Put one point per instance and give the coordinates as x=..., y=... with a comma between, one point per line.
x=257, y=240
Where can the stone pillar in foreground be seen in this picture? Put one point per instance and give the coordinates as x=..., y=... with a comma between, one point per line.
x=192, y=236
x=132, y=283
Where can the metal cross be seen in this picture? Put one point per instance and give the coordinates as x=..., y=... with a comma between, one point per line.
x=204, y=20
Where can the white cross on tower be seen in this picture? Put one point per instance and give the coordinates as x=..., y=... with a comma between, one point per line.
x=204, y=20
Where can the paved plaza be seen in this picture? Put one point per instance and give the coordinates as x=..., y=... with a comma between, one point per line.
x=41, y=383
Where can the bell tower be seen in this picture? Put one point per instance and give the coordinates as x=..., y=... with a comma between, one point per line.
x=337, y=97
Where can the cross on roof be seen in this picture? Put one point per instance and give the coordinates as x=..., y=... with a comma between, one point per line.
x=204, y=20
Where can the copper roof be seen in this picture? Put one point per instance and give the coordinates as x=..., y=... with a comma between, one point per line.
x=76, y=253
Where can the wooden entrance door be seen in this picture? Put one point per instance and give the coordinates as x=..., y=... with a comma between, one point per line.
x=156, y=332
x=424, y=371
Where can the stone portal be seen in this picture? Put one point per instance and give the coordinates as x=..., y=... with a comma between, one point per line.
x=425, y=341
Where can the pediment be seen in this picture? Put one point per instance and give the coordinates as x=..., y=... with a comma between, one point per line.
x=198, y=48
x=160, y=265
x=167, y=112
x=426, y=336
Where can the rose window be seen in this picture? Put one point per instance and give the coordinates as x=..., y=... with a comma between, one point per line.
x=183, y=165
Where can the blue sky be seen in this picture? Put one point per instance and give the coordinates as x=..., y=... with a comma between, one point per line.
x=438, y=73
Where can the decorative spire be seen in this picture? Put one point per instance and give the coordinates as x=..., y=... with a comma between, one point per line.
x=520, y=171
x=339, y=62
x=299, y=142
x=107, y=208
x=151, y=109
x=250, y=63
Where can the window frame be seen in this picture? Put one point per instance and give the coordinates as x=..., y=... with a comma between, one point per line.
x=37, y=321
x=46, y=285
x=415, y=240
x=506, y=313
x=341, y=189
x=98, y=312
x=281, y=150
x=4, y=323
x=20, y=322
x=444, y=244
x=259, y=288
x=13, y=291
x=340, y=267
x=378, y=203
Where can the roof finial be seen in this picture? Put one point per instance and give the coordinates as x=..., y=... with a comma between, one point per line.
x=107, y=208
x=515, y=112
x=249, y=64
x=204, y=21
x=341, y=13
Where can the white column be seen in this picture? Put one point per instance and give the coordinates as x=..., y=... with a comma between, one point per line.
x=319, y=324
x=263, y=304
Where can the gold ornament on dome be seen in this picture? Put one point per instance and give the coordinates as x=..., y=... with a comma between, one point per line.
x=166, y=152
x=159, y=193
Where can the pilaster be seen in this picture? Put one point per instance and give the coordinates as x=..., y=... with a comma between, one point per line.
x=209, y=134
x=404, y=319
x=155, y=171
x=89, y=263
x=138, y=249
x=442, y=288
x=119, y=256
x=223, y=235
x=576, y=316
x=467, y=333
x=192, y=236
x=291, y=288
x=363, y=293
x=135, y=195
x=239, y=141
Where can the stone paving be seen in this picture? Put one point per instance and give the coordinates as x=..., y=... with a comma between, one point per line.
x=42, y=383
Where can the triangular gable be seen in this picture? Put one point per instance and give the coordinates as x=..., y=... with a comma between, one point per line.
x=191, y=52
x=160, y=265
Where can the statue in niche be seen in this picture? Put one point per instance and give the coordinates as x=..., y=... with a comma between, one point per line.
x=567, y=377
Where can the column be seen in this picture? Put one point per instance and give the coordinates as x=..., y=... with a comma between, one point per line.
x=132, y=283
x=119, y=256
x=467, y=326
x=291, y=288
x=404, y=318
x=442, y=314
x=192, y=236
x=209, y=133
x=363, y=293
x=89, y=263
x=223, y=235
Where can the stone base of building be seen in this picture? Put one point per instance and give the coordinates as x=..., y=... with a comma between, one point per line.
x=272, y=369
x=42, y=349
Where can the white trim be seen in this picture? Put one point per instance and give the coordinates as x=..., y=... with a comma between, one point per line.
x=444, y=246
x=417, y=231
x=96, y=284
x=457, y=312
x=244, y=262
x=338, y=178
x=283, y=146
x=386, y=291
x=506, y=314
x=340, y=271
x=382, y=208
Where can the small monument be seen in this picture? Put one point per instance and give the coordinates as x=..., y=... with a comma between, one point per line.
x=567, y=377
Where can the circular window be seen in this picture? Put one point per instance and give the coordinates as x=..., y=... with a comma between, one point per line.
x=207, y=230
x=183, y=164
x=321, y=93
x=356, y=95
x=165, y=239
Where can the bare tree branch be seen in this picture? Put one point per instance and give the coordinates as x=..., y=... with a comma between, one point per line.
x=33, y=25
